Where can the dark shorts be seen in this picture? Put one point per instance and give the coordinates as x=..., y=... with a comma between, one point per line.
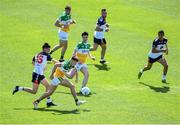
x=99, y=41
x=36, y=78
x=151, y=60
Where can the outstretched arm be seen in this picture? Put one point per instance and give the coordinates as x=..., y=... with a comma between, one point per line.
x=90, y=56
x=71, y=74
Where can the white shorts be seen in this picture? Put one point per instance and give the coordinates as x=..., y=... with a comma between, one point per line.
x=56, y=81
x=78, y=66
x=63, y=35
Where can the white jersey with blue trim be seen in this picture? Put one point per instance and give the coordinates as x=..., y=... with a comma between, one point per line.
x=102, y=24
x=158, y=45
x=40, y=61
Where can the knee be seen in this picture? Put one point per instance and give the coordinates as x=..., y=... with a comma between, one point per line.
x=34, y=91
x=49, y=93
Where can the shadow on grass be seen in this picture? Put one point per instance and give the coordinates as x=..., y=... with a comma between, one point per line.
x=78, y=93
x=56, y=111
x=101, y=66
x=163, y=89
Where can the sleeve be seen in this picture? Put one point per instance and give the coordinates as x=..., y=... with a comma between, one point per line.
x=33, y=59
x=49, y=58
x=99, y=22
x=154, y=45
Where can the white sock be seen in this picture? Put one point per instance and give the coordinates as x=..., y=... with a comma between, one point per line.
x=49, y=100
x=141, y=70
x=21, y=88
x=163, y=77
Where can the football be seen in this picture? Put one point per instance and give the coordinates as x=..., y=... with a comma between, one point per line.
x=85, y=91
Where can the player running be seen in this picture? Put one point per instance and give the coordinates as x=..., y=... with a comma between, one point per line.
x=63, y=22
x=99, y=39
x=82, y=52
x=58, y=74
x=159, y=47
x=39, y=61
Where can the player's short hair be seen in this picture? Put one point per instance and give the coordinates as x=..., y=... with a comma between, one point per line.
x=68, y=7
x=102, y=10
x=161, y=32
x=46, y=45
x=85, y=34
x=75, y=58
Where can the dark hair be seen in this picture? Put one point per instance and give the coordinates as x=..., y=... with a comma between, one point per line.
x=84, y=34
x=103, y=10
x=68, y=7
x=160, y=32
x=46, y=45
x=75, y=58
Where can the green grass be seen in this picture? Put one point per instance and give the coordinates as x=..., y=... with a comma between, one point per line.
x=117, y=95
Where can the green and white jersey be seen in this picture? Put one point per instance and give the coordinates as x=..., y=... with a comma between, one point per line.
x=65, y=19
x=82, y=51
x=65, y=67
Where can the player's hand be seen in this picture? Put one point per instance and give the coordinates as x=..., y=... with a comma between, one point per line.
x=93, y=58
x=73, y=22
x=107, y=30
x=51, y=76
x=66, y=26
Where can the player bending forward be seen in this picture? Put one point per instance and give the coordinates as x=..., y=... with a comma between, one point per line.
x=57, y=76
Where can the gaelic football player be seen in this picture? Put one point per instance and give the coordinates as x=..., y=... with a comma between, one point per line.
x=59, y=71
x=63, y=23
x=39, y=61
x=82, y=52
x=99, y=39
x=159, y=47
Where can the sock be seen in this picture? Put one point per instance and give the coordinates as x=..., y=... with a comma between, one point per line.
x=21, y=88
x=76, y=100
x=163, y=77
x=141, y=70
x=62, y=57
x=49, y=100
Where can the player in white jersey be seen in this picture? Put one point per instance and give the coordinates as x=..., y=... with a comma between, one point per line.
x=39, y=61
x=99, y=39
x=159, y=47
x=63, y=23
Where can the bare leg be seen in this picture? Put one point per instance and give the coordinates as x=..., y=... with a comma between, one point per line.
x=32, y=90
x=48, y=93
x=64, y=48
x=68, y=84
x=95, y=46
x=85, y=72
x=103, y=51
x=147, y=67
x=56, y=47
x=165, y=65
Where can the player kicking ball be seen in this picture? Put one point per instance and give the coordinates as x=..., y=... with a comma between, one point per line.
x=82, y=52
x=59, y=71
x=159, y=47
x=39, y=61
x=63, y=22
